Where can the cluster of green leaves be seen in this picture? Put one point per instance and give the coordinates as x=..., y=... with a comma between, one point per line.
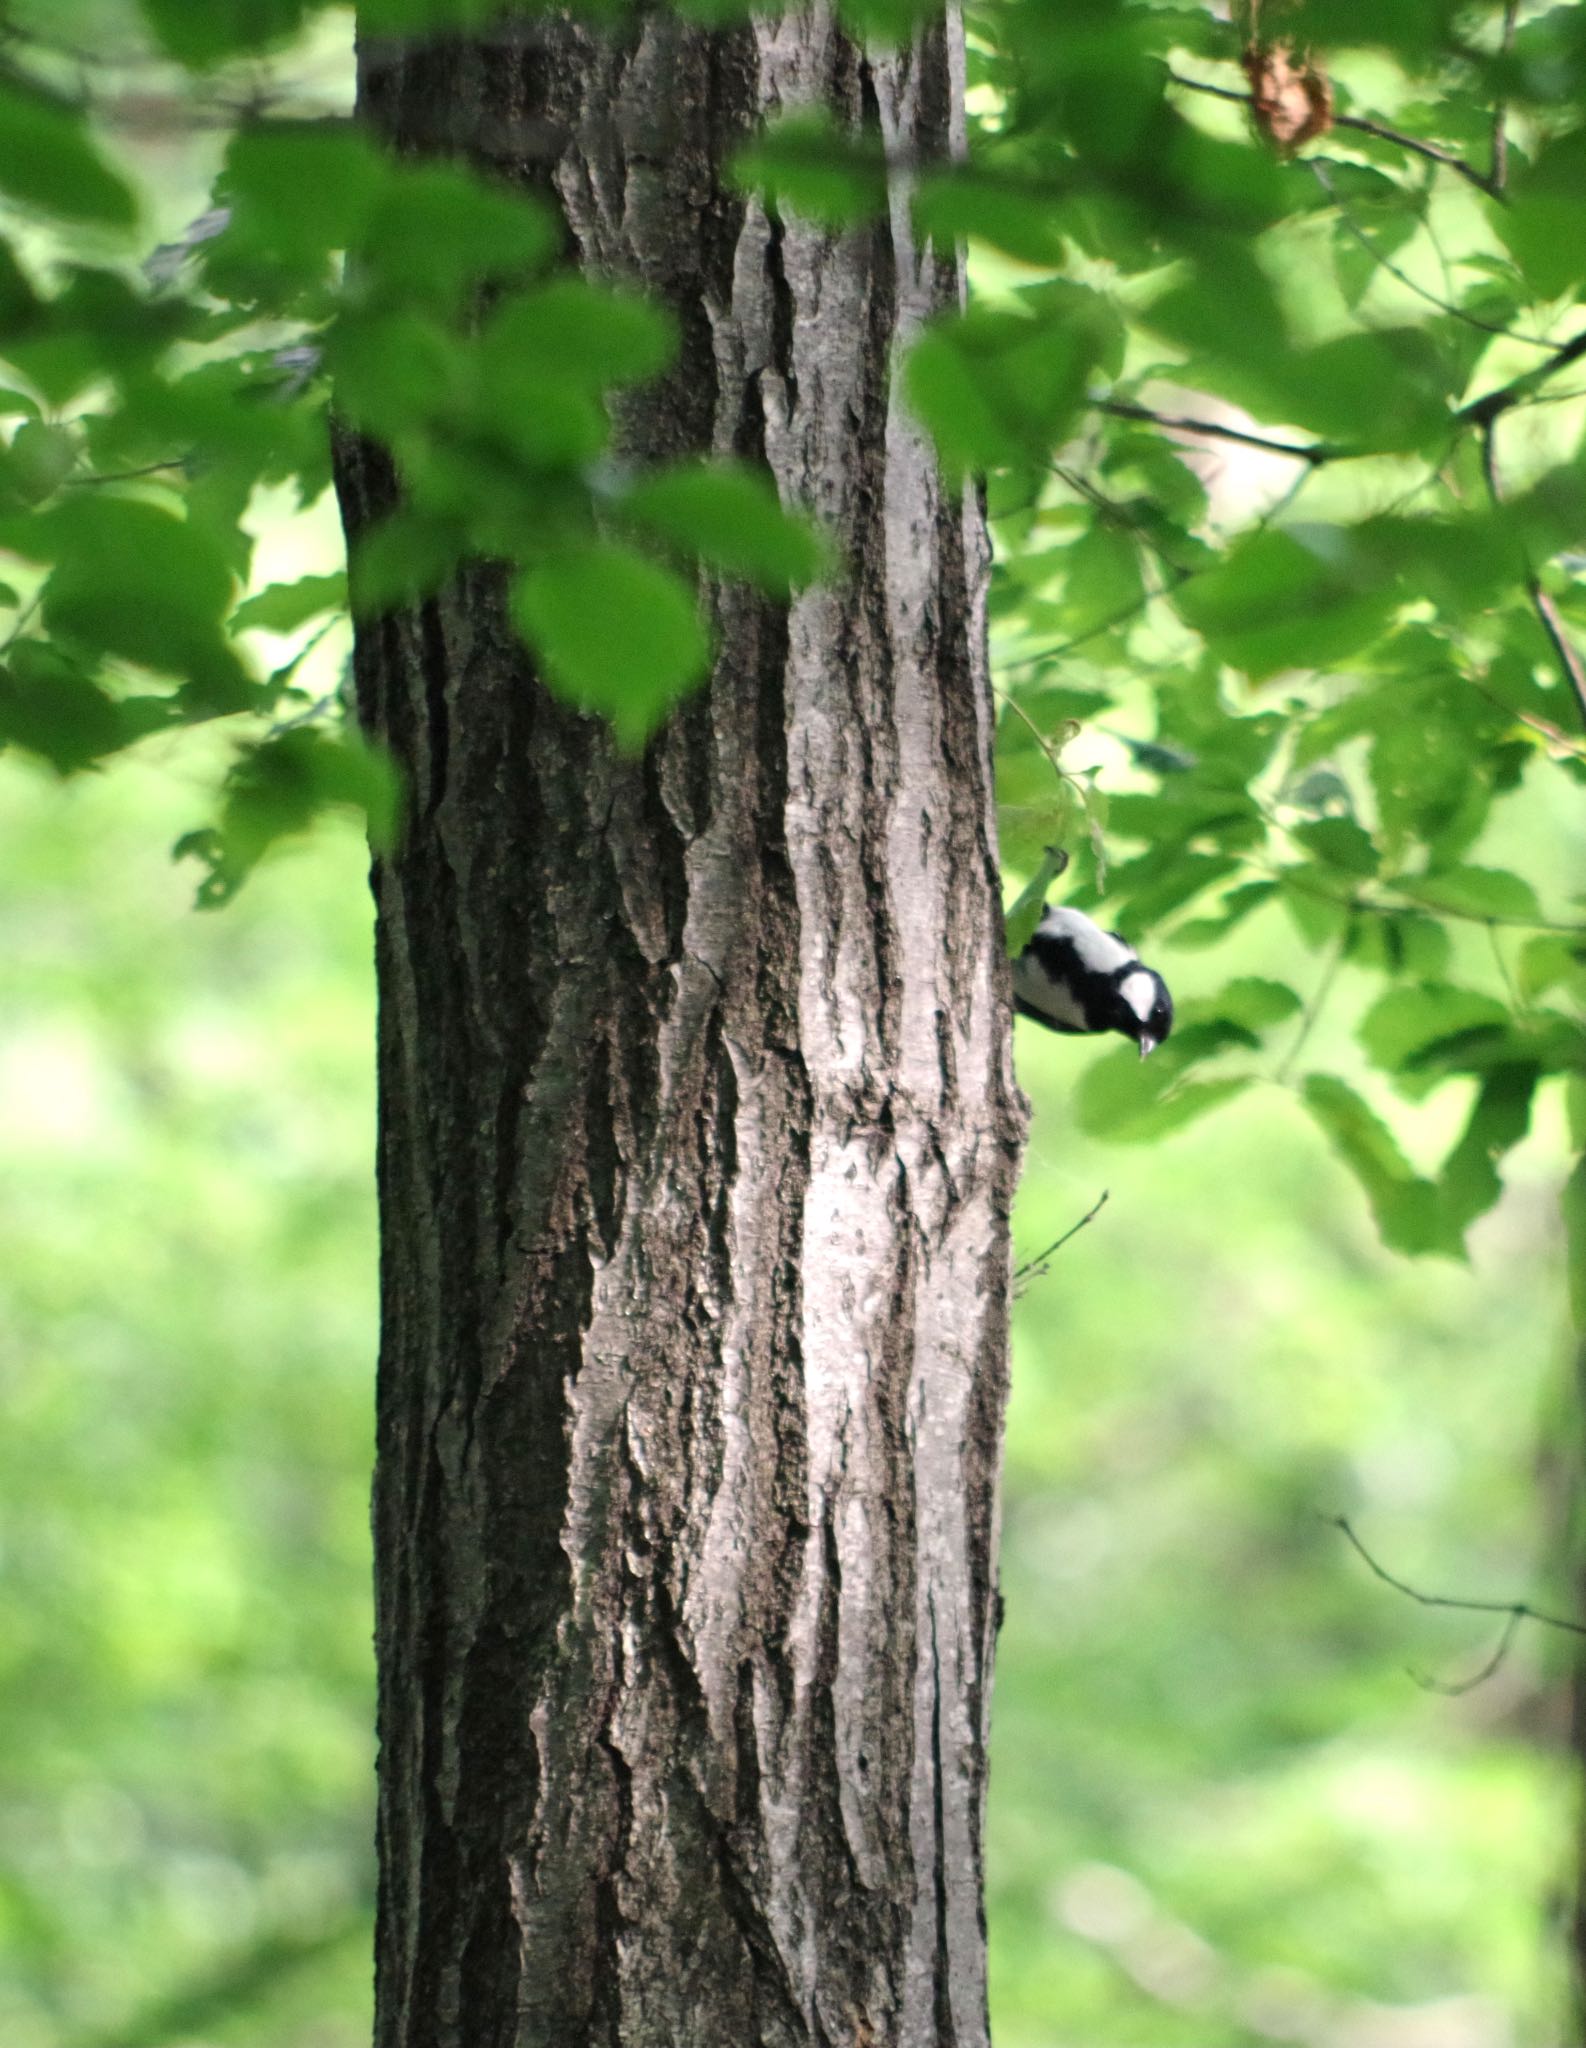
x=154, y=401
x=1284, y=470
x=1280, y=456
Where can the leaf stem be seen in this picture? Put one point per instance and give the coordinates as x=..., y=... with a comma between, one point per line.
x=1032, y=1269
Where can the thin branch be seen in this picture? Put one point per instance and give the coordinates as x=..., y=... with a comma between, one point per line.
x=1318, y=171
x=1361, y=126
x=1291, y=878
x=1561, y=741
x=1481, y=412
x=1568, y=653
x=1498, y=173
x=1118, y=618
x=1452, y=1689
x=1032, y=1269
x=1313, y=452
x=23, y=620
x=1511, y=993
x=1569, y=658
x=1275, y=510
x=125, y=476
x=1039, y=737
x=1313, y=1009
x=1514, y=1611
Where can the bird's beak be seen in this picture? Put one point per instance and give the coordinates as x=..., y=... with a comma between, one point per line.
x=1148, y=1043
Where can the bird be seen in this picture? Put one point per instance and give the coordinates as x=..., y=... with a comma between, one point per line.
x=1075, y=977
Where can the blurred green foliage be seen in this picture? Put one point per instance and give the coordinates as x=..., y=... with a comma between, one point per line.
x=1225, y=1806
x=1283, y=463
x=186, y=1708
x=1221, y=1807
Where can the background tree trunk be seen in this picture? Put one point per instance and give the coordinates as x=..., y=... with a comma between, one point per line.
x=698, y=1137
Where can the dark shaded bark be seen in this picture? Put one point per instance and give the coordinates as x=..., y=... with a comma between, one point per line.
x=698, y=1137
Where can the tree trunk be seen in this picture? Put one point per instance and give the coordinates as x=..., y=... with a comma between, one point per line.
x=698, y=1137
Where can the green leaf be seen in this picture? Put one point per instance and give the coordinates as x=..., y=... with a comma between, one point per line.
x=204, y=32
x=278, y=789
x=1421, y=766
x=1408, y=1210
x=1255, y=1003
x=1475, y=892
x=806, y=164
x=52, y=708
x=1302, y=598
x=1544, y=223
x=571, y=330
x=732, y=518
x=1234, y=908
x=953, y=205
x=991, y=386
x=48, y=160
x=38, y=461
x=888, y=22
x=284, y=606
x=414, y=17
x=1182, y=1106
x=131, y=579
x=1499, y=1118
x=1341, y=843
x=406, y=556
x=1383, y=389
x=394, y=371
x=1405, y=1026
x=1156, y=886
x=616, y=635
x=1103, y=578
x=300, y=189
x=437, y=231
x=1025, y=914
x=1128, y=1100
x=1548, y=960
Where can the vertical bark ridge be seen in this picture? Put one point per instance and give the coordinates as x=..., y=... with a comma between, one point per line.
x=697, y=1145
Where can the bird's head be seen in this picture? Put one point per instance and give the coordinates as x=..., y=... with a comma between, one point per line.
x=1145, y=1009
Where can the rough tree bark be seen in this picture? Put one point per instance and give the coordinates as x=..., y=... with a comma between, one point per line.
x=698, y=1136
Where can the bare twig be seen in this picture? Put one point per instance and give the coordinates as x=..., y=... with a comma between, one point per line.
x=1313, y=452
x=126, y=476
x=1407, y=906
x=1117, y=618
x=1361, y=126
x=1568, y=653
x=1481, y=412
x=1313, y=1009
x=1511, y=993
x=1452, y=1688
x=1569, y=657
x=1498, y=173
x=1176, y=581
x=1318, y=171
x=1039, y=737
x=1032, y=1269
x=1514, y=1611
x=1561, y=741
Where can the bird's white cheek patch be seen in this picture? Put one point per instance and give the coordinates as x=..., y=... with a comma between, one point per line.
x=1139, y=992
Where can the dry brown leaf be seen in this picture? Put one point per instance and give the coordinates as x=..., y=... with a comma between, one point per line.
x=1290, y=100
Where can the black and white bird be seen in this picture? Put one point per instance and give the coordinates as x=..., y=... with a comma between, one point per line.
x=1073, y=976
